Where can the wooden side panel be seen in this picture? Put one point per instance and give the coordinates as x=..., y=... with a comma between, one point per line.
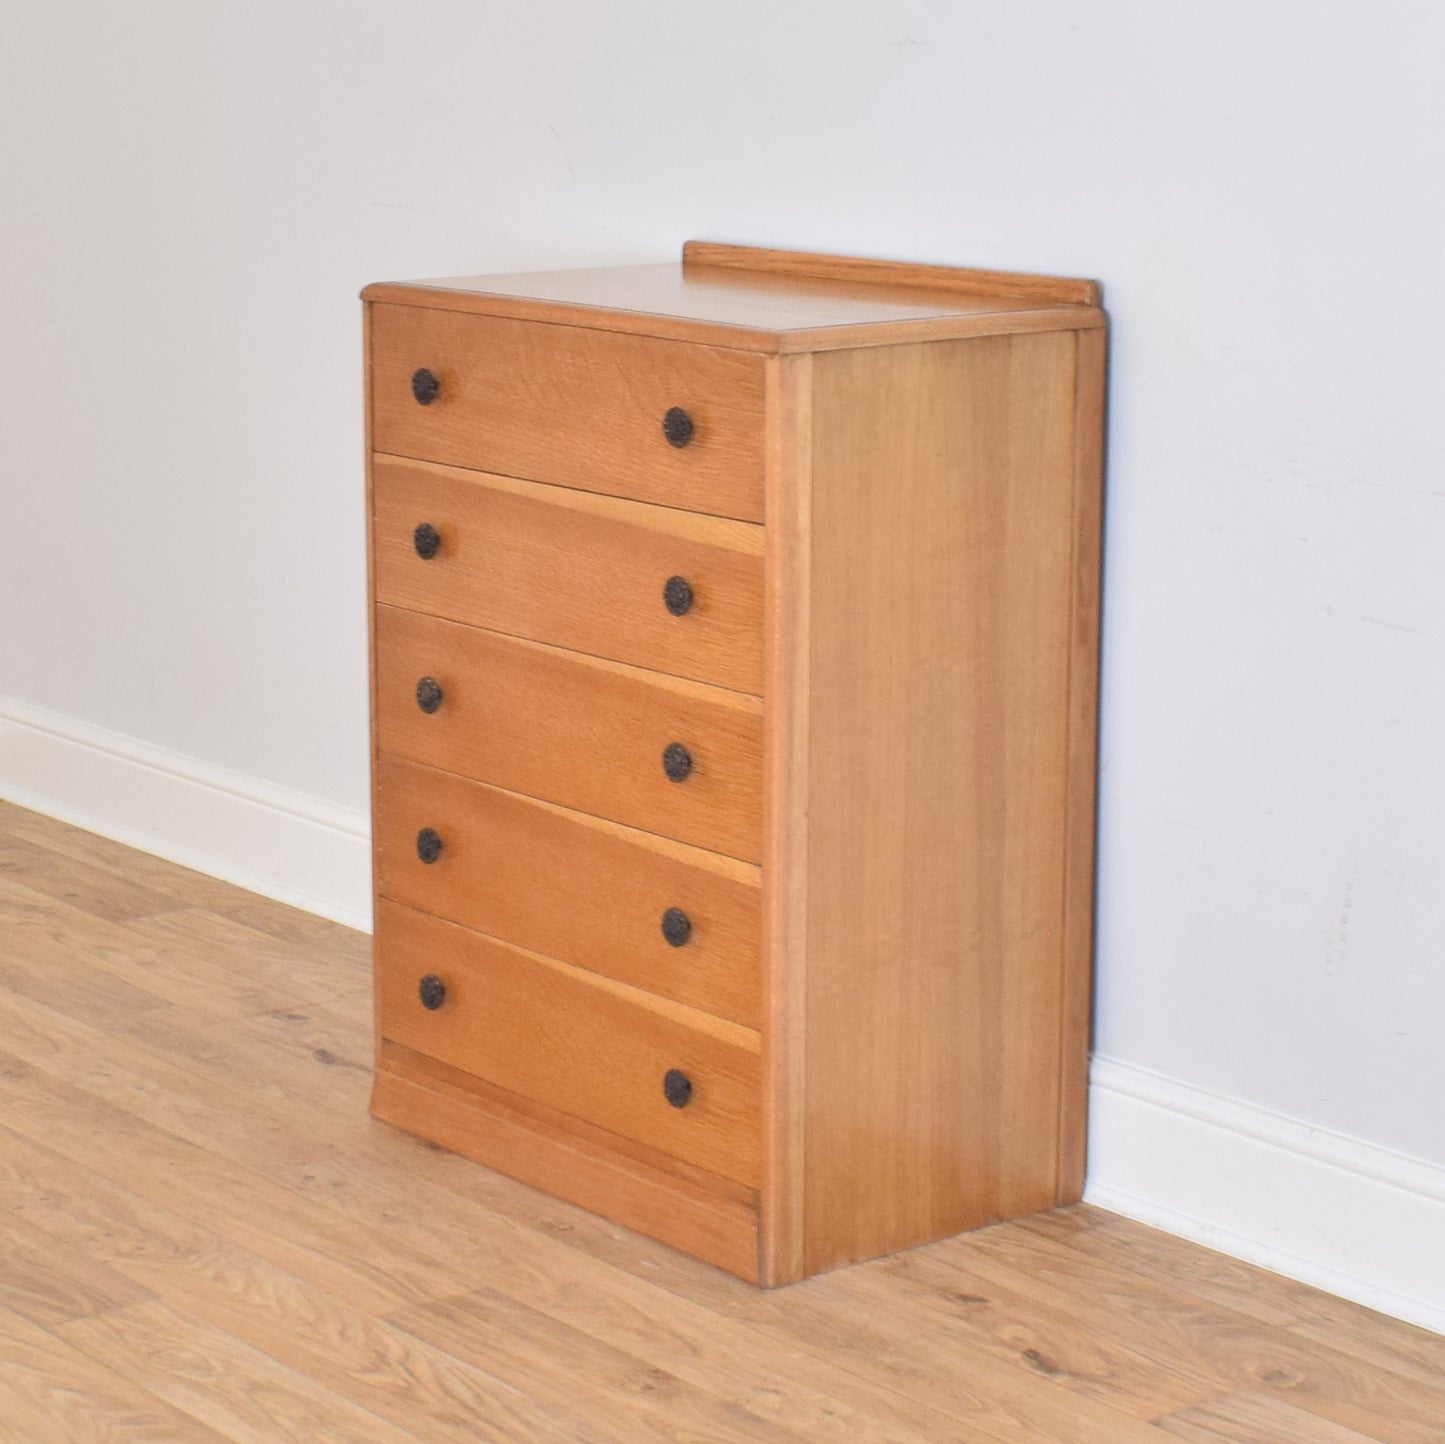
x=785, y=811
x=941, y=599
x=1083, y=764
x=574, y=887
x=578, y=407
x=573, y=569
x=573, y=730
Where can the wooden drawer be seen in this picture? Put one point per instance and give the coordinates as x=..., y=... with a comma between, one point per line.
x=584, y=733
x=597, y=1051
x=578, y=407
x=567, y=567
x=589, y=892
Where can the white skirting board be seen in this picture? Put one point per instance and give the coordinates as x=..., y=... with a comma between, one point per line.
x=282, y=844
x=1342, y=1214
x=1337, y=1212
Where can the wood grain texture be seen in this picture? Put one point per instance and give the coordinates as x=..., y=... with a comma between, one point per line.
x=915, y=776
x=1076, y=983
x=581, y=408
x=80, y=884
x=42, y=1283
x=233, y=1387
x=432, y=1073
x=572, y=1163
x=1166, y=1325
x=373, y=715
x=751, y=299
x=1238, y=1417
x=577, y=570
x=606, y=1385
x=698, y=255
x=574, y=730
x=1110, y=1242
x=51, y=1393
x=30, y=971
x=1000, y=1321
x=348, y=1295
x=497, y=847
x=580, y=1044
x=939, y=661
x=713, y=1346
x=786, y=770
x=130, y=1207
x=989, y=321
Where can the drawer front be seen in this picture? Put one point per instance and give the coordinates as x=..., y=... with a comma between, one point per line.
x=587, y=572
x=593, y=1051
x=662, y=916
x=573, y=730
x=568, y=405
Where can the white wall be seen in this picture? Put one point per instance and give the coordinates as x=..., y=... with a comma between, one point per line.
x=191, y=195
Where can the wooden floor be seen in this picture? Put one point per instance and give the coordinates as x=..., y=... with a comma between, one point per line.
x=204, y=1237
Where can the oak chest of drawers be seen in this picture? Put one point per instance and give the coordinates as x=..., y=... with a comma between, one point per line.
x=734, y=651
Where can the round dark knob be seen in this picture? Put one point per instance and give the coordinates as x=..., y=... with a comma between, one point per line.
x=676, y=761
x=677, y=426
x=425, y=386
x=427, y=540
x=428, y=694
x=676, y=926
x=432, y=992
x=428, y=844
x=676, y=1087
x=677, y=596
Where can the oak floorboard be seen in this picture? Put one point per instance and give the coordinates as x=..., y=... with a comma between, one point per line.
x=95, y=890
x=575, y=1372
x=791, y=1390
x=49, y=834
x=187, y=888
x=180, y=1181
x=235, y=1388
x=50, y=1285
x=1309, y=1312
x=1256, y=1419
x=204, y=1236
x=50, y=1393
x=980, y=1397
x=89, y=952
x=93, y=996
x=180, y=1100
x=1006, y=1325
x=330, y=1335
x=1181, y=1331
x=294, y=1058
x=300, y=968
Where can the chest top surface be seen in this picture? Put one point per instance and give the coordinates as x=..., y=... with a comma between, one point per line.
x=767, y=300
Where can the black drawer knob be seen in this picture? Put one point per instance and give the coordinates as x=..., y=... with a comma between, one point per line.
x=425, y=386
x=676, y=762
x=428, y=694
x=677, y=426
x=428, y=844
x=677, y=596
x=432, y=992
x=676, y=927
x=676, y=1087
x=427, y=540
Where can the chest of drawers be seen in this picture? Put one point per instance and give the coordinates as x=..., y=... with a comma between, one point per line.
x=734, y=654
